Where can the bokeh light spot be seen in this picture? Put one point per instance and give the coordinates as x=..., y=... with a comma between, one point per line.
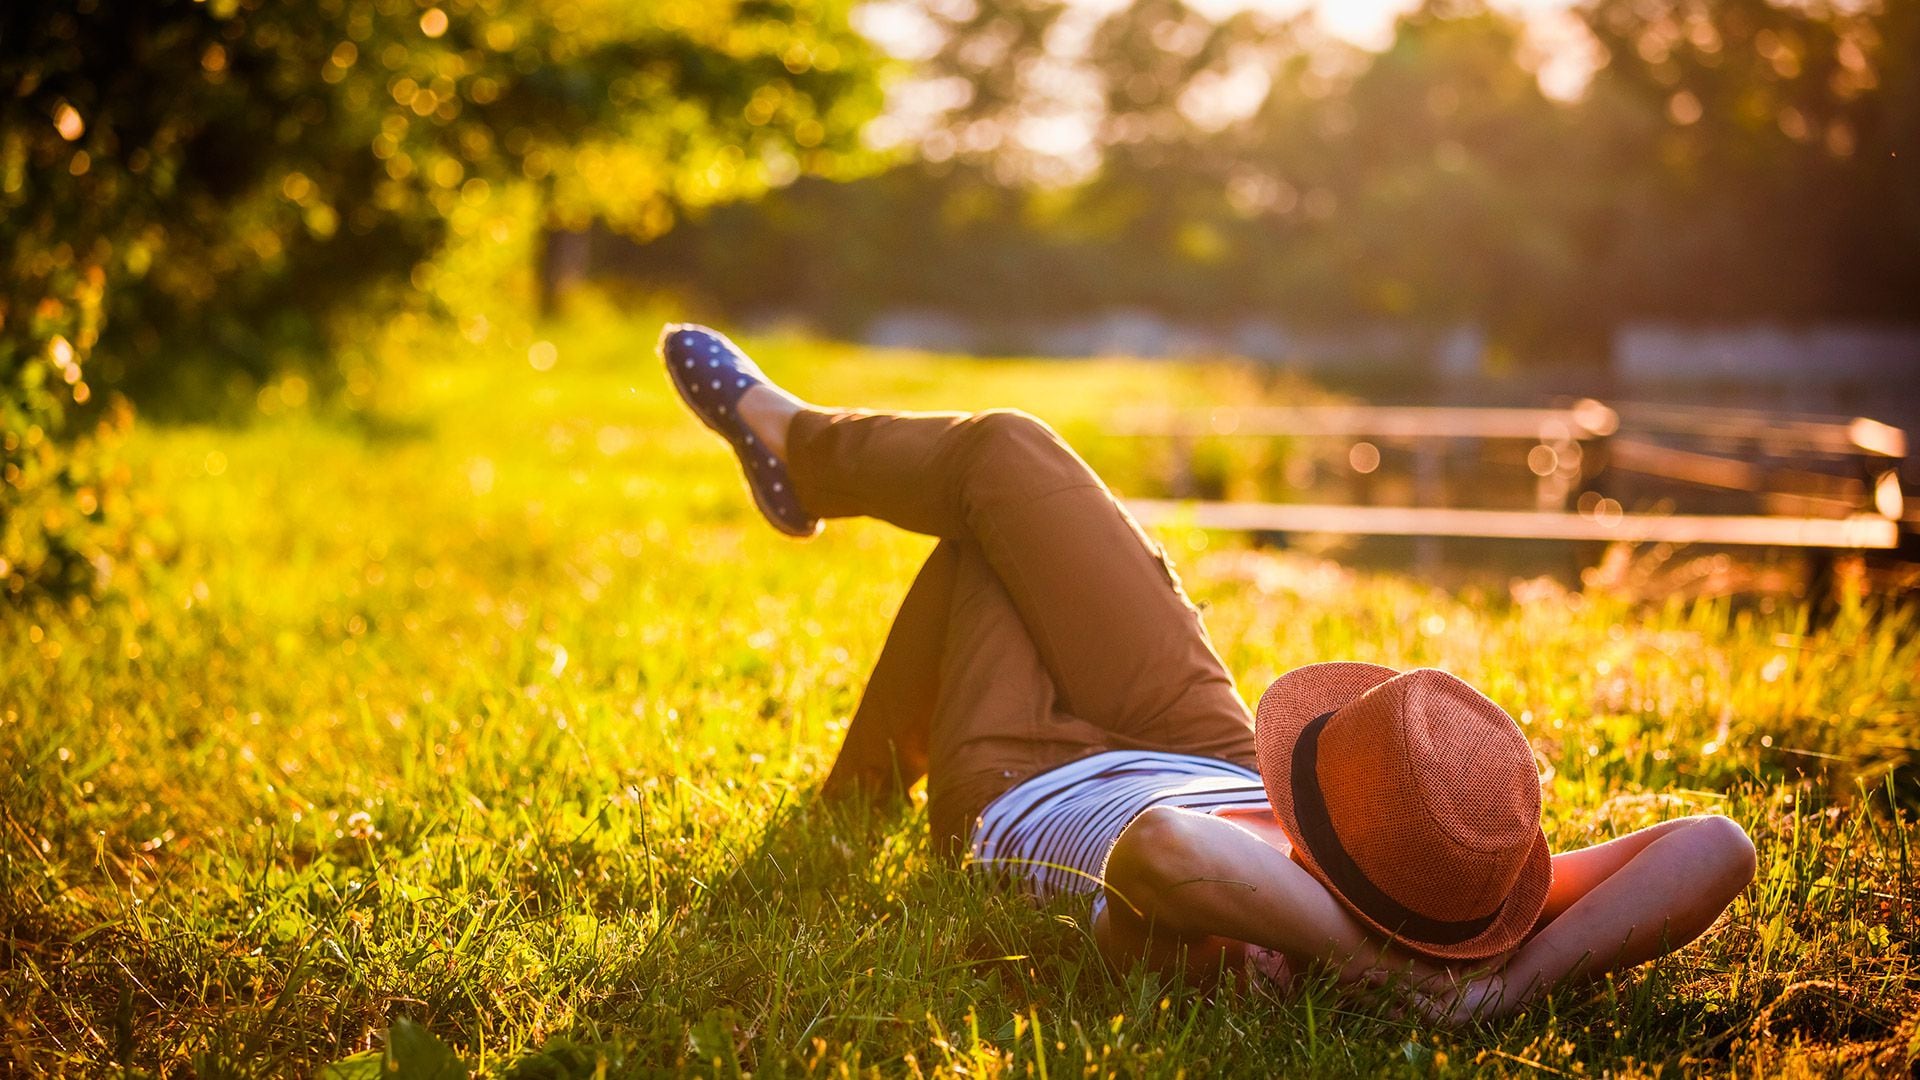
x=68, y=122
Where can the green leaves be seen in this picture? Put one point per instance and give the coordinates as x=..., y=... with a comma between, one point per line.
x=411, y=1053
x=202, y=197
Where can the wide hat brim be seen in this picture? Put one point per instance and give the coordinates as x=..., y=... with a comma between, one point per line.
x=1295, y=700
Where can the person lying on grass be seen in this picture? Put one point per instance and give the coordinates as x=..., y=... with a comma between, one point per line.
x=1078, y=733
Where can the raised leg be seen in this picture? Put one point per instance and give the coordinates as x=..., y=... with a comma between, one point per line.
x=959, y=695
x=1123, y=647
x=1000, y=717
x=886, y=745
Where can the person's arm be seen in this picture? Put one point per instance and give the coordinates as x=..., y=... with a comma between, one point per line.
x=1613, y=906
x=1183, y=882
x=1127, y=938
x=1576, y=872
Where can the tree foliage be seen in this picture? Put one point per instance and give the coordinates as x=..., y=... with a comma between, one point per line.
x=1730, y=160
x=1786, y=135
x=191, y=189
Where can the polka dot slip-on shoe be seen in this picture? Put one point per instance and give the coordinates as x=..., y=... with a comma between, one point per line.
x=711, y=373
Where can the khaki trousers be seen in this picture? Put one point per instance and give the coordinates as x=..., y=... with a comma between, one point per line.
x=1044, y=627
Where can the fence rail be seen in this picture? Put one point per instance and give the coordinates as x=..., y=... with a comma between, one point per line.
x=1861, y=531
x=1785, y=462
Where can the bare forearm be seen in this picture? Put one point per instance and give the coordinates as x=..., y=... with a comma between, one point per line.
x=1576, y=872
x=1265, y=907
x=1126, y=939
x=1199, y=878
x=1666, y=895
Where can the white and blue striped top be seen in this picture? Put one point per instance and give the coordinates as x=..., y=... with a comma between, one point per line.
x=1050, y=834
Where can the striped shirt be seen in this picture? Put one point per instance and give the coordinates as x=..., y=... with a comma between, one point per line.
x=1051, y=833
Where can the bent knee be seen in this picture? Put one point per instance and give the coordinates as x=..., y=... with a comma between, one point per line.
x=1010, y=426
x=1021, y=454
x=1727, y=848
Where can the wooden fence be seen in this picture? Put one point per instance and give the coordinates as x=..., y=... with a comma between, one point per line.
x=1816, y=483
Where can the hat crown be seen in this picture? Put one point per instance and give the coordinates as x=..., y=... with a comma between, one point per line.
x=1433, y=790
x=1413, y=799
x=1471, y=756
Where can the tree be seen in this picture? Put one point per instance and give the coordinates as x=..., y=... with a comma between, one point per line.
x=1755, y=147
x=202, y=185
x=1434, y=181
x=1733, y=160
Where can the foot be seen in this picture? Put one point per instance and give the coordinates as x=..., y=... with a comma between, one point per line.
x=731, y=395
x=768, y=412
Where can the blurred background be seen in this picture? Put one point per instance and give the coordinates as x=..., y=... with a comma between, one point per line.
x=336, y=466
x=1664, y=209
x=1620, y=191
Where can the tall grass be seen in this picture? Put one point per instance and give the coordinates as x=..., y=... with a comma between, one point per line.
x=496, y=717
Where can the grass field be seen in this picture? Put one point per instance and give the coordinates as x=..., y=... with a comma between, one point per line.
x=493, y=713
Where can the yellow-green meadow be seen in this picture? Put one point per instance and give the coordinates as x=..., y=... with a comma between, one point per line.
x=492, y=712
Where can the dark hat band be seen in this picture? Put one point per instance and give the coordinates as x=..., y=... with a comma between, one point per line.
x=1323, y=843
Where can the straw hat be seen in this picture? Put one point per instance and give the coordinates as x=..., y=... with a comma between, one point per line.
x=1413, y=798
